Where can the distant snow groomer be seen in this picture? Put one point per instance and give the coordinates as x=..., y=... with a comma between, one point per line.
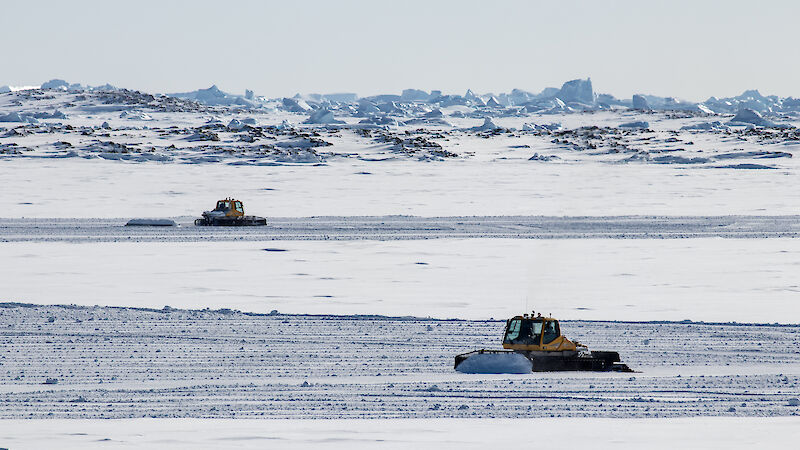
x=539, y=340
x=229, y=212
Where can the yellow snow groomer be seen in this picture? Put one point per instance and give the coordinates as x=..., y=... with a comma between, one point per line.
x=539, y=339
x=229, y=212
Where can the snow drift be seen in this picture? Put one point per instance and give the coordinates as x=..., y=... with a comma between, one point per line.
x=151, y=223
x=496, y=363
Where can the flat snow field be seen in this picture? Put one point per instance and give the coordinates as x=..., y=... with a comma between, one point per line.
x=711, y=279
x=707, y=433
x=112, y=189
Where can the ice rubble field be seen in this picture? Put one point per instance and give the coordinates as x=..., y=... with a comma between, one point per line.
x=166, y=157
x=468, y=207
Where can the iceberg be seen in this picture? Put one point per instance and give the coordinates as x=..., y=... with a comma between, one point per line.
x=470, y=96
x=390, y=108
x=640, y=102
x=366, y=108
x=295, y=105
x=493, y=103
x=213, y=96
x=322, y=116
x=556, y=106
x=435, y=114
x=55, y=84
x=341, y=97
x=579, y=91
x=749, y=116
x=412, y=95
x=520, y=97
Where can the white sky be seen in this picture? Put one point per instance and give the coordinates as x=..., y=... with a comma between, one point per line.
x=688, y=49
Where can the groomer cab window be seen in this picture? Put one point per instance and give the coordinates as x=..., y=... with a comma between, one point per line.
x=551, y=331
x=523, y=332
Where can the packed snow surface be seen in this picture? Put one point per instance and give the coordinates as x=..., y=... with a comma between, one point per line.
x=99, y=362
x=452, y=434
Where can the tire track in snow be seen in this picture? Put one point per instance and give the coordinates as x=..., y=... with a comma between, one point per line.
x=126, y=362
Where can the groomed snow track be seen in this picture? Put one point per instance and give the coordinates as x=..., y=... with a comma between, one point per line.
x=106, y=362
x=409, y=227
